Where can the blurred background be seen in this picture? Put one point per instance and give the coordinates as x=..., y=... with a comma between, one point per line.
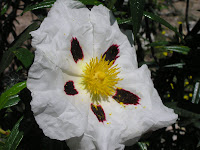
x=166, y=38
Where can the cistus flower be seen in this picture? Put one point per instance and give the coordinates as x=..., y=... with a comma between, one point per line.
x=86, y=86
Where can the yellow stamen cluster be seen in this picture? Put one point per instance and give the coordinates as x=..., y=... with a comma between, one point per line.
x=100, y=78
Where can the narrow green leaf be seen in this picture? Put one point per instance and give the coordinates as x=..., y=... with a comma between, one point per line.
x=162, y=21
x=4, y=9
x=182, y=112
x=179, y=49
x=90, y=2
x=196, y=93
x=124, y=21
x=14, y=138
x=44, y=4
x=6, y=60
x=8, y=55
x=142, y=145
x=11, y=92
x=25, y=35
x=177, y=65
x=24, y=55
x=158, y=43
x=137, y=8
x=12, y=100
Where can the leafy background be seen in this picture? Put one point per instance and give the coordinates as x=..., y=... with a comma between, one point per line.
x=171, y=49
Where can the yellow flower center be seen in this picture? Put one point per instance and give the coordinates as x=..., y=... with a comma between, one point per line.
x=100, y=78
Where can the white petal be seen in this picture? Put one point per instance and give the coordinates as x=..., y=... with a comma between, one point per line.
x=66, y=19
x=57, y=113
x=150, y=114
x=106, y=34
x=56, y=116
x=85, y=142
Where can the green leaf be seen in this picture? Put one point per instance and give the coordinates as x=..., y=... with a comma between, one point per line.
x=8, y=55
x=25, y=35
x=124, y=21
x=159, y=43
x=44, y=4
x=6, y=60
x=162, y=21
x=177, y=65
x=24, y=55
x=49, y=4
x=196, y=93
x=4, y=98
x=12, y=100
x=182, y=112
x=137, y=8
x=180, y=49
x=14, y=138
x=90, y=2
x=142, y=145
x=4, y=9
x=110, y=3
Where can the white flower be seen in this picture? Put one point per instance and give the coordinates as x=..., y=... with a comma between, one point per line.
x=85, y=83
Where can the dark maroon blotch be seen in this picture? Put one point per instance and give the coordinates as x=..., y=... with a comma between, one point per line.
x=98, y=111
x=70, y=89
x=126, y=97
x=76, y=50
x=111, y=53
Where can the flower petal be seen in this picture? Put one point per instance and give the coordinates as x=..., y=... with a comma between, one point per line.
x=56, y=113
x=141, y=118
x=107, y=34
x=66, y=20
x=61, y=105
x=126, y=123
x=84, y=142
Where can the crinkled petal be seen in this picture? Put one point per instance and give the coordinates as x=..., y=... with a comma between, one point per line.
x=125, y=124
x=66, y=20
x=150, y=113
x=107, y=33
x=57, y=113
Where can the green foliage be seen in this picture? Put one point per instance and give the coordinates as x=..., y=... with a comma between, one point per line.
x=196, y=93
x=142, y=145
x=4, y=9
x=178, y=65
x=111, y=3
x=90, y=2
x=9, y=96
x=179, y=49
x=49, y=4
x=124, y=21
x=9, y=54
x=44, y=4
x=14, y=138
x=136, y=7
x=24, y=55
x=11, y=101
x=162, y=21
x=6, y=60
x=182, y=112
